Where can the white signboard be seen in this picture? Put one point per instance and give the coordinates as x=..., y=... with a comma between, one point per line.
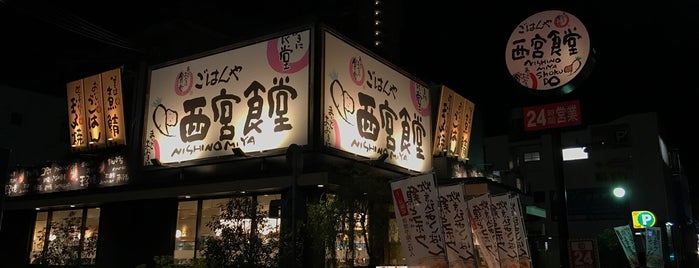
x=547, y=50
x=625, y=236
x=654, y=247
x=370, y=109
x=503, y=218
x=255, y=98
x=480, y=213
x=416, y=205
x=523, y=253
x=458, y=236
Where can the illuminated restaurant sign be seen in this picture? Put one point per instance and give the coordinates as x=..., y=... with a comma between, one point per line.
x=454, y=122
x=95, y=111
x=547, y=50
x=78, y=174
x=255, y=98
x=370, y=109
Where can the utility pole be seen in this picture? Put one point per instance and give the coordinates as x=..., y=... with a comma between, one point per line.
x=294, y=158
x=558, y=175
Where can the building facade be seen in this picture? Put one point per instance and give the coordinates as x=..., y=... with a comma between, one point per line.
x=318, y=116
x=630, y=153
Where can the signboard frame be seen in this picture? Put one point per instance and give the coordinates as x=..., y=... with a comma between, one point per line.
x=248, y=84
x=372, y=109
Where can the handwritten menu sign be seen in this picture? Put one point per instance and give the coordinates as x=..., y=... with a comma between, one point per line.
x=113, y=171
x=78, y=174
x=18, y=183
x=51, y=177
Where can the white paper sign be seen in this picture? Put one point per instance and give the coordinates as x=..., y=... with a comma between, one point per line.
x=419, y=221
x=503, y=218
x=457, y=227
x=480, y=212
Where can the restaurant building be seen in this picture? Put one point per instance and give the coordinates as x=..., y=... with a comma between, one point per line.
x=284, y=119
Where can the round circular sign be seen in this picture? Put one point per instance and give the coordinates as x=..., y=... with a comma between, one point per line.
x=646, y=219
x=548, y=50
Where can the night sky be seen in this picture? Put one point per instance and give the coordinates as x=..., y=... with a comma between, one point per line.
x=644, y=53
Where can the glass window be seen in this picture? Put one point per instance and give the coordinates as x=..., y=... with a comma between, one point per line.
x=532, y=156
x=38, y=237
x=574, y=153
x=193, y=217
x=186, y=230
x=65, y=237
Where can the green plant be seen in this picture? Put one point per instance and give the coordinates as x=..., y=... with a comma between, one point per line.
x=243, y=237
x=357, y=214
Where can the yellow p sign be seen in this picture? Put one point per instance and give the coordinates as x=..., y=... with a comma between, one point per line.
x=642, y=219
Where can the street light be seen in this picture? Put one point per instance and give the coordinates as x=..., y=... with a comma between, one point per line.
x=619, y=192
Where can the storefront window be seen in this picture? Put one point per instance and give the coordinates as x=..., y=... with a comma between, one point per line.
x=185, y=234
x=65, y=237
x=343, y=239
x=193, y=218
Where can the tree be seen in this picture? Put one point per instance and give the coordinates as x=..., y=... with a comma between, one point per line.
x=357, y=213
x=243, y=237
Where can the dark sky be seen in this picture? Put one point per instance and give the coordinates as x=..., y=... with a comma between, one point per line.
x=644, y=60
x=644, y=53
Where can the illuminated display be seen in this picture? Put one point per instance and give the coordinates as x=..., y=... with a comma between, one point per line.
x=254, y=98
x=547, y=50
x=95, y=111
x=114, y=121
x=370, y=109
x=79, y=174
x=76, y=115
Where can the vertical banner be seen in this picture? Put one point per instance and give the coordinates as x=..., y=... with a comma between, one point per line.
x=654, y=247
x=625, y=236
x=479, y=212
x=441, y=132
x=93, y=111
x=458, y=236
x=113, y=107
x=503, y=218
x=523, y=253
x=416, y=204
x=457, y=113
x=76, y=115
x=465, y=137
